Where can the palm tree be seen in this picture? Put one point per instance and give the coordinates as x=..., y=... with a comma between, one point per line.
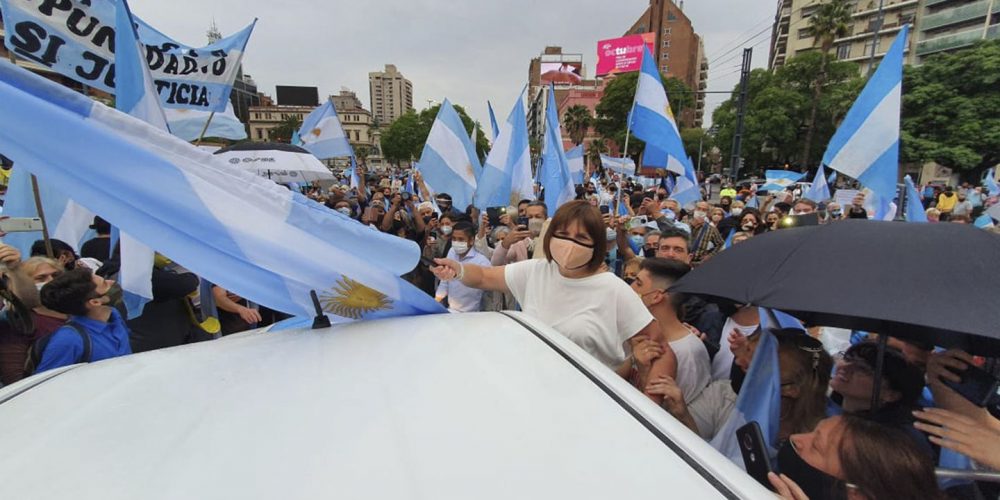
x=831, y=20
x=577, y=121
x=597, y=146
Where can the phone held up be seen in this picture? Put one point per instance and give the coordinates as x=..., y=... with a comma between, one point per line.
x=754, y=452
x=980, y=387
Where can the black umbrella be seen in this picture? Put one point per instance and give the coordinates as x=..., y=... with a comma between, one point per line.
x=932, y=282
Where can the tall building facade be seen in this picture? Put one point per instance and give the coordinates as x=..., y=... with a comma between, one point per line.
x=391, y=95
x=936, y=26
x=947, y=25
x=679, y=51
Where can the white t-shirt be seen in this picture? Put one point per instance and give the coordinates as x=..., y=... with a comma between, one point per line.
x=694, y=369
x=598, y=313
x=722, y=364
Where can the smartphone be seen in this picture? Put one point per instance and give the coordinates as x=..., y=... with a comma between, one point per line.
x=494, y=214
x=635, y=222
x=370, y=215
x=20, y=224
x=799, y=220
x=605, y=210
x=522, y=221
x=754, y=451
x=978, y=386
x=405, y=196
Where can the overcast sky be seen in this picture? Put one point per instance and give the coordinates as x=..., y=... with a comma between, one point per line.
x=467, y=51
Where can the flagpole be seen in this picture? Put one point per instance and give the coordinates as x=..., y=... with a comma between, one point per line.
x=38, y=199
x=628, y=131
x=204, y=129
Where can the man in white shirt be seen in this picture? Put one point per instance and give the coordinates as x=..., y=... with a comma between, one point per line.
x=694, y=370
x=743, y=322
x=460, y=297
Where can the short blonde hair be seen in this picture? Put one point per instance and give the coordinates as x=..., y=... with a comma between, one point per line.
x=30, y=266
x=933, y=211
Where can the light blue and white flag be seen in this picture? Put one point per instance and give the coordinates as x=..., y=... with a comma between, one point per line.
x=135, y=95
x=575, y=158
x=554, y=171
x=322, y=134
x=832, y=179
x=866, y=145
x=449, y=162
x=75, y=38
x=493, y=122
x=990, y=182
x=355, y=178
x=914, y=210
x=778, y=180
x=686, y=191
x=67, y=220
x=242, y=232
x=819, y=190
x=653, y=157
x=623, y=166
x=759, y=401
x=188, y=124
x=983, y=221
x=506, y=177
x=652, y=119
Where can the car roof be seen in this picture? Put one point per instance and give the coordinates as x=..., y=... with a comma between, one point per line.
x=447, y=406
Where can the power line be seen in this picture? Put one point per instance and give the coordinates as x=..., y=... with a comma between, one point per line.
x=765, y=30
x=738, y=54
x=767, y=20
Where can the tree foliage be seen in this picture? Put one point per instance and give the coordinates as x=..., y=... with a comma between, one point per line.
x=779, y=107
x=404, y=140
x=951, y=110
x=612, y=111
x=284, y=131
x=577, y=120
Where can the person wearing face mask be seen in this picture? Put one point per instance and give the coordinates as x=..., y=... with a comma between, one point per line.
x=716, y=215
x=95, y=330
x=568, y=292
x=520, y=243
x=851, y=457
x=460, y=297
x=705, y=239
x=834, y=211
x=732, y=219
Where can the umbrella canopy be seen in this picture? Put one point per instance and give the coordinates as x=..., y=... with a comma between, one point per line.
x=933, y=282
x=277, y=161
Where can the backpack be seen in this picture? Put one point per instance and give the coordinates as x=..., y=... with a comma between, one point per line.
x=38, y=348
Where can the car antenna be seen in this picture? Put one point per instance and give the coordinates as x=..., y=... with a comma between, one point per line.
x=320, y=321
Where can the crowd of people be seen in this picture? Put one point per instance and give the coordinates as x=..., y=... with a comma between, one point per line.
x=598, y=270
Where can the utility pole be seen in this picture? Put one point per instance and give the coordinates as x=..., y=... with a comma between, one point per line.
x=741, y=108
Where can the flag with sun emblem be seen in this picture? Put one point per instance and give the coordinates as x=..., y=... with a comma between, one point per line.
x=231, y=227
x=322, y=135
x=652, y=119
x=449, y=162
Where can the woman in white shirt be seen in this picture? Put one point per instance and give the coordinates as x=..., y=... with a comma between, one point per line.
x=568, y=291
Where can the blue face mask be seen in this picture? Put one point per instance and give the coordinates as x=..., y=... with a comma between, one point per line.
x=636, y=242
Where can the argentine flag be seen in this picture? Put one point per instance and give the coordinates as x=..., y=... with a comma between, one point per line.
x=778, y=180
x=575, y=158
x=506, y=177
x=914, y=210
x=759, y=399
x=686, y=191
x=322, y=135
x=866, y=145
x=653, y=121
x=655, y=158
x=240, y=231
x=623, y=166
x=188, y=123
x=554, y=171
x=991, y=184
x=493, y=122
x=449, y=162
x=819, y=190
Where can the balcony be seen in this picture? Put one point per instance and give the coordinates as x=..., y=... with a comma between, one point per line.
x=888, y=6
x=957, y=15
x=956, y=40
x=932, y=3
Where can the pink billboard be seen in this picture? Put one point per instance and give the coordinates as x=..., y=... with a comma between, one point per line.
x=621, y=55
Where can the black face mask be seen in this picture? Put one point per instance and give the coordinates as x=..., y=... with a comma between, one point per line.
x=649, y=252
x=816, y=484
x=427, y=219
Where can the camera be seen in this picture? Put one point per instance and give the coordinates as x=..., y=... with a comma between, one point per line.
x=405, y=196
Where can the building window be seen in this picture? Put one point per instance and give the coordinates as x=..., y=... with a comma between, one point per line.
x=666, y=31
x=671, y=17
x=665, y=56
x=844, y=51
x=805, y=33
x=260, y=133
x=666, y=43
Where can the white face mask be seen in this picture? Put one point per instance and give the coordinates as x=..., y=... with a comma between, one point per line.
x=460, y=247
x=736, y=212
x=446, y=230
x=700, y=215
x=535, y=226
x=344, y=210
x=38, y=286
x=611, y=234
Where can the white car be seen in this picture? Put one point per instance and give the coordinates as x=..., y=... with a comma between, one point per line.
x=462, y=406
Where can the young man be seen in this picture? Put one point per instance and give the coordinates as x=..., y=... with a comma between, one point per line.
x=460, y=297
x=83, y=296
x=694, y=370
